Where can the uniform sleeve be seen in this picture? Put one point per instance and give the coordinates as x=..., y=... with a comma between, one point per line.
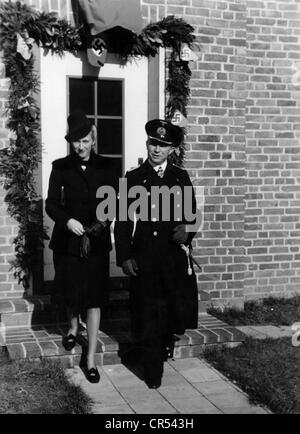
x=54, y=207
x=123, y=231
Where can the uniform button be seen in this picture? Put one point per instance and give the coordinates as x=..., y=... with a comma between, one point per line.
x=154, y=219
x=153, y=206
x=155, y=234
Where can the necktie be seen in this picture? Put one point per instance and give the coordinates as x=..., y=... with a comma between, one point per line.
x=160, y=172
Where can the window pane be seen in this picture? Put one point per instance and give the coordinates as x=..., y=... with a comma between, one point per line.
x=110, y=136
x=82, y=95
x=110, y=98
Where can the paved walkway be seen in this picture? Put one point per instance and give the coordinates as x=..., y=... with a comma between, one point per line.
x=267, y=331
x=188, y=386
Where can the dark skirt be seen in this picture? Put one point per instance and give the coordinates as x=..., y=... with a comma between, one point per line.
x=81, y=283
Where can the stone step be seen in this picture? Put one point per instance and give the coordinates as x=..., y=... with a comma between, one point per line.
x=38, y=342
x=29, y=311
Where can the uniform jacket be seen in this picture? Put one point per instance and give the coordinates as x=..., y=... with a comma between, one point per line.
x=163, y=282
x=151, y=234
x=72, y=194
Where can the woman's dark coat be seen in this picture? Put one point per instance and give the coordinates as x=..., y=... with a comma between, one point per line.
x=72, y=194
x=164, y=297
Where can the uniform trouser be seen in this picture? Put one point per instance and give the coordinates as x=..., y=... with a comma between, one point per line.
x=152, y=322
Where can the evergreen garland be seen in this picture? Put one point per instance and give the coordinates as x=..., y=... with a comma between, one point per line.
x=19, y=161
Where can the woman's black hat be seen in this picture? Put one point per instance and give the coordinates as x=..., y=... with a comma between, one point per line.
x=79, y=126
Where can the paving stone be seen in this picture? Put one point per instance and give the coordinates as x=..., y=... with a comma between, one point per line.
x=183, y=352
x=198, y=375
x=39, y=334
x=115, y=370
x=246, y=410
x=173, y=380
x=209, y=336
x=18, y=331
x=108, y=399
x=128, y=381
x=286, y=331
x=188, y=405
x=16, y=351
x=181, y=391
x=194, y=371
x=133, y=394
x=6, y=307
x=214, y=387
x=32, y=350
x=111, y=358
x=195, y=337
x=153, y=407
x=228, y=399
x=224, y=335
x=273, y=332
x=252, y=332
x=183, y=340
x=118, y=409
x=179, y=365
x=20, y=339
x=238, y=336
x=48, y=348
x=109, y=344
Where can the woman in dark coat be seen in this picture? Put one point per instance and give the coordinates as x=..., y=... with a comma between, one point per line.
x=80, y=242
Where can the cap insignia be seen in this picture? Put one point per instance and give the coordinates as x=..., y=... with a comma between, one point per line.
x=161, y=131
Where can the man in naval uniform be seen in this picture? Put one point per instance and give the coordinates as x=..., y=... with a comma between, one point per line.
x=164, y=296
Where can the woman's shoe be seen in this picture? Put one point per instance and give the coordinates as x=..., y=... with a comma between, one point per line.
x=92, y=375
x=69, y=342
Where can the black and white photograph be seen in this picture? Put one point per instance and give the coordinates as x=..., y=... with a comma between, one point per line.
x=150, y=209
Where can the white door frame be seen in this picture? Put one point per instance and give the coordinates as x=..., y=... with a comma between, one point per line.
x=54, y=73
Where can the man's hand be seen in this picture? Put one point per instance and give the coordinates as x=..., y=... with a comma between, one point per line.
x=179, y=234
x=130, y=267
x=75, y=226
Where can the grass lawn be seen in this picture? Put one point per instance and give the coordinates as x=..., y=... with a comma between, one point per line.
x=38, y=388
x=268, y=311
x=268, y=370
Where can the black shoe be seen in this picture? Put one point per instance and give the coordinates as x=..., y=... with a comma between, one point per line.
x=153, y=383
x=92, y=375
x=69, y=342
x=153, y=372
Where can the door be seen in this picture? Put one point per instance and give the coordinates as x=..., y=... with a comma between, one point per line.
x=115, y=97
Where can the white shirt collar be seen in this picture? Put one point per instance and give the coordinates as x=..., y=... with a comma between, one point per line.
x=163, y=166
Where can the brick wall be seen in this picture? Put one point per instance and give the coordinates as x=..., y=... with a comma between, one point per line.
x=216, y=154
x=242, y=144
x=272, y=219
